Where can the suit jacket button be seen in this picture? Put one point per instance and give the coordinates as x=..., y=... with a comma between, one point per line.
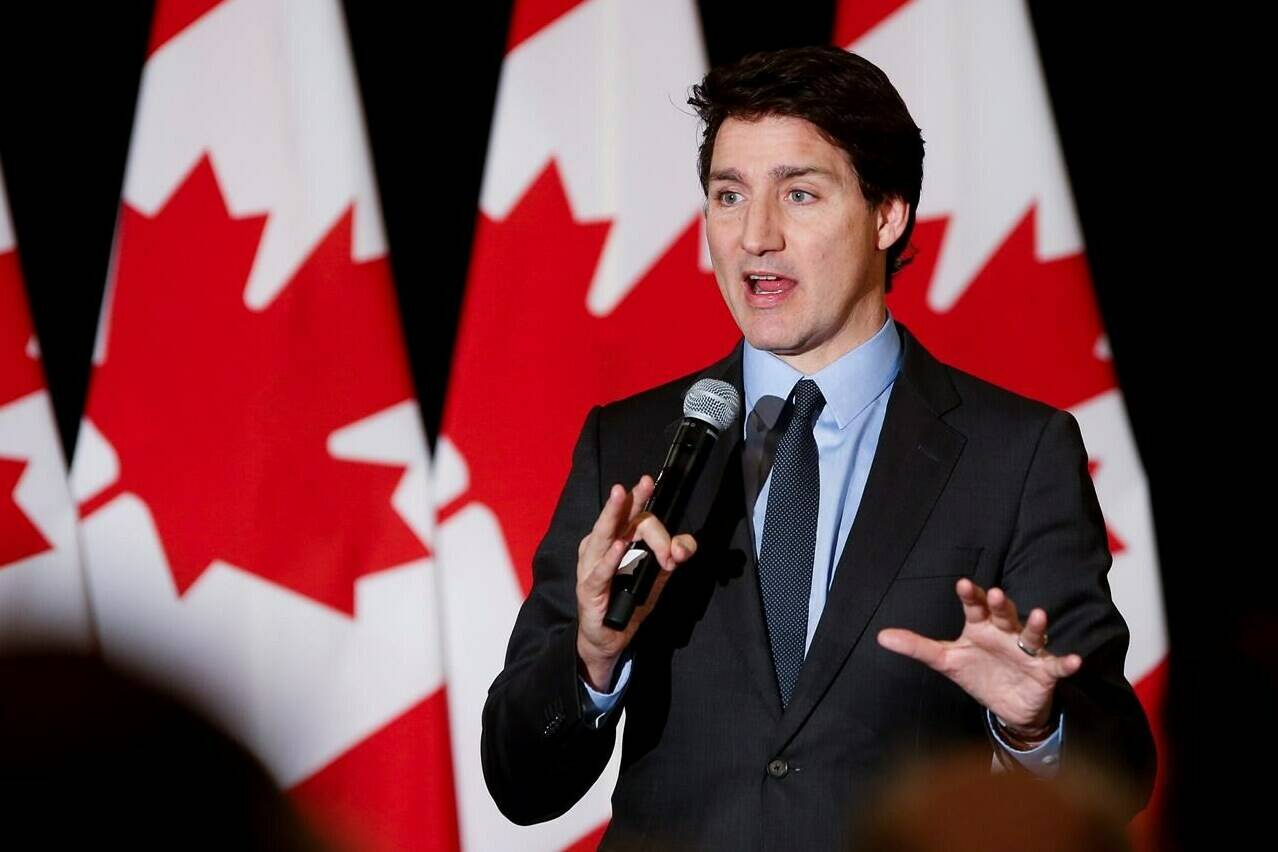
x=778, y=768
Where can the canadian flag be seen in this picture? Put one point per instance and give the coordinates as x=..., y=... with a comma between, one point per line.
x=252, y=469
x=1001, y=286
x=42, y=598
x=586, y=284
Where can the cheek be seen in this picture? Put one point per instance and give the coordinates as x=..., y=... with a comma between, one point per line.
x=721, y=262
x=846, y=253
x=721, y=230
x=725, y=288
x=827, y=261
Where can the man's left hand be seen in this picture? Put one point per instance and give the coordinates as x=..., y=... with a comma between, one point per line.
x=1014, y=682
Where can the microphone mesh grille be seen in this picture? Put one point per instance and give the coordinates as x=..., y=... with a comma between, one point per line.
x=714, y=401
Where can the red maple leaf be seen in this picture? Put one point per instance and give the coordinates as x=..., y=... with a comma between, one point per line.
x=19, y=373
x=220, y=414
x=18, y=536
x=1024, y=324
x=530, y=359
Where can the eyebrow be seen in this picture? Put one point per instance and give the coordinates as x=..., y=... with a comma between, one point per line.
x=785, y=172
x=776, y=172
x=726, y=175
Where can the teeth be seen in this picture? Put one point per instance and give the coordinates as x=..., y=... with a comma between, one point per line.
x=757, y=280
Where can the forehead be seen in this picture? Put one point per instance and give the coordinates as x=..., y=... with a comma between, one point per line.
x=775, y=140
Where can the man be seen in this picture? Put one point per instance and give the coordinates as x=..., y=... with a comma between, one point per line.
x=804, y=637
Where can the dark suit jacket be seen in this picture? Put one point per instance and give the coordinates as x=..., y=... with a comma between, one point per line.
x=968, y=480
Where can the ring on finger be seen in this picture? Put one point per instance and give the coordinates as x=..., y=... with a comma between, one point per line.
x=1033, y=652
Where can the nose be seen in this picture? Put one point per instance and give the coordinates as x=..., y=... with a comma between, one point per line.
x=761, y=231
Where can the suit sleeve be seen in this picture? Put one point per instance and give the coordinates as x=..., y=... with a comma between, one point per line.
x=1058, y=560
x=539, y=754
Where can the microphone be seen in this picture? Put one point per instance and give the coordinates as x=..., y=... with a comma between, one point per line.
x=709, y=407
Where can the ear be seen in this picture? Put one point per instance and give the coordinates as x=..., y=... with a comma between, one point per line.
x=892, y=215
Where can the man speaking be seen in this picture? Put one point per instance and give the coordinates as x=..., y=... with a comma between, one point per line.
x=870, y=558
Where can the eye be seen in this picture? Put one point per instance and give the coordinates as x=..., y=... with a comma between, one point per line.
x=799, y=196
x=729, y=197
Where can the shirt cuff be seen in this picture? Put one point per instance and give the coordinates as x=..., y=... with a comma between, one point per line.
x=595, y=705
x=1044, y=760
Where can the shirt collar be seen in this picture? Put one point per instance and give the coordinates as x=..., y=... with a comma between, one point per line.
x=849, y=384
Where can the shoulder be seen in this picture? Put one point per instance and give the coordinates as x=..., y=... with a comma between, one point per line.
x=974, y=406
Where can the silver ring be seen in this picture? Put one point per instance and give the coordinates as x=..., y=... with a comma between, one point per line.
x=1020, y=643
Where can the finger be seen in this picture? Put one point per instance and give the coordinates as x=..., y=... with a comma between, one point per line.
x=973, y=598
x=604, y=532
x=911, y=644
x=682, y=547
x=1003, y=611
x=1065, y=666
x=1034, y=635
x=599, y=574
x=652, y=532
x=638, y=497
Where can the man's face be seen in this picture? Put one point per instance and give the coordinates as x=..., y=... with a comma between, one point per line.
x=798, y=253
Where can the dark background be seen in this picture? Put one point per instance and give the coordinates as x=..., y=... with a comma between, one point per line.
x=1161, y=147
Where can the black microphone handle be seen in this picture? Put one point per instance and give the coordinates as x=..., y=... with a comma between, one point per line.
x=639, y=568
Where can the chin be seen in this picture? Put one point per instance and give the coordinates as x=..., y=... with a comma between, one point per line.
x=769, y=332
x=775, y=343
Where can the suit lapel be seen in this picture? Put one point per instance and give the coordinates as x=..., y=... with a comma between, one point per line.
x=915, y=456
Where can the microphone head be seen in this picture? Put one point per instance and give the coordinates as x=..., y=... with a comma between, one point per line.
x=714, y=401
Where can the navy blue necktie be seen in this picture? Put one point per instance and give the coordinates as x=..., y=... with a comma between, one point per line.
x=789, y=535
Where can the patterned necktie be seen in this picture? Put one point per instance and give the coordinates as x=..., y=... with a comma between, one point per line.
x=789, y=536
